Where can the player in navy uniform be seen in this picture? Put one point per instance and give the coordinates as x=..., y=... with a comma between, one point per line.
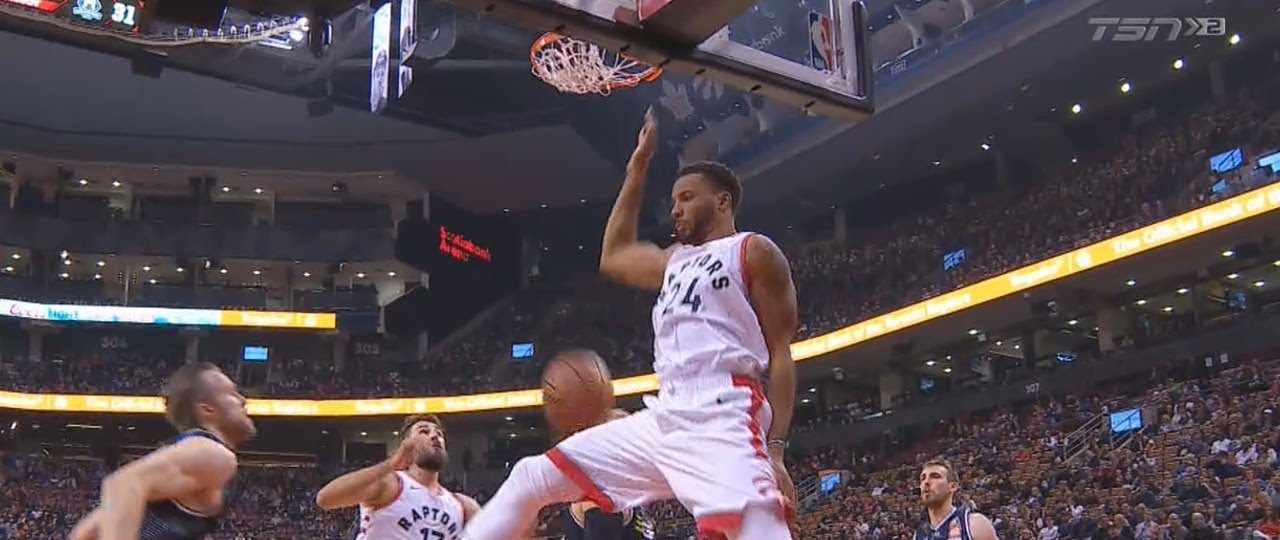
x=176, y=492
x=947, y=520
x=585, y=520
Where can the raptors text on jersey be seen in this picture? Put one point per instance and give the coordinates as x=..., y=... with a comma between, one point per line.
x=703, y=321
x=418, y=513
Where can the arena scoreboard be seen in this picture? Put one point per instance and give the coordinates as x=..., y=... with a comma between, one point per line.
x=115, y=15
x=473, y=259
x=457, y=247
x=463, y=241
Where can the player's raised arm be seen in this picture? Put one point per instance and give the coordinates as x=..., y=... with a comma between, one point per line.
x=773, y=295
x=623, y=257
x=191, y=466
x=373, y=486
x=87, y=529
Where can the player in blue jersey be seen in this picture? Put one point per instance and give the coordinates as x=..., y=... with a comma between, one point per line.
x=945, y=519
x=176, y=492
x=586, y=521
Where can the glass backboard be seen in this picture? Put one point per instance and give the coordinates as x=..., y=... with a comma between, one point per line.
x=810, y=54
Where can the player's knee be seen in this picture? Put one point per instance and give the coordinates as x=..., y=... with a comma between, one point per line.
x=536, y=478
x=763, y=522
x=531, y=468
x=539, y=475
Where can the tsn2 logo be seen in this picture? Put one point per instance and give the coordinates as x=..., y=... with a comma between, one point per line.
x=1147, y=28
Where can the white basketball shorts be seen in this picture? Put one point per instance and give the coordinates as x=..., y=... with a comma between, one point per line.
x=702, y=443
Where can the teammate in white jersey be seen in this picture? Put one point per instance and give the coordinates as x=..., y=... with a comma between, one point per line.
x=714, y=436
x=401, y=498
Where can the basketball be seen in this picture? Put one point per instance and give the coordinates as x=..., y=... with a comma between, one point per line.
x=576, y=391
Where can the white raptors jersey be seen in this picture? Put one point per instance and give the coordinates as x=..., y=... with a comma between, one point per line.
x=418, y=513
x=703, y=322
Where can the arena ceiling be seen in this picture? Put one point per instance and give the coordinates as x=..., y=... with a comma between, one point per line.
x=478, y=128
x=82, y=106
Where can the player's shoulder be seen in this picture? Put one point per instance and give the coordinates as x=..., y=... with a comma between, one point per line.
x=463, y=498
x=758, y=241
x=760, y=250
x=470, y=507
x=975, y=516
x=980, y=526
x=204, y=459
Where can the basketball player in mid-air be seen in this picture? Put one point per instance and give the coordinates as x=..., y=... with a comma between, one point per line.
x=947, y=520
x=401, y=498
x=175, y=493
x=714, y=436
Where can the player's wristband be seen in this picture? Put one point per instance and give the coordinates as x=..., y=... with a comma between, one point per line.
x=779, y=443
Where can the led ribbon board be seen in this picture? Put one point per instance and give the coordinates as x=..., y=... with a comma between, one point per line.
x=167, y=316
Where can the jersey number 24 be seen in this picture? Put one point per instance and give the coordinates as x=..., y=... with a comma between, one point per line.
x=690, y=298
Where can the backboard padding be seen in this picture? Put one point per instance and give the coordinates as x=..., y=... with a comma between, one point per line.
x=689, y=23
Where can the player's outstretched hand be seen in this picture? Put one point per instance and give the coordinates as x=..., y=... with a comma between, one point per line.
x=406, y=454
x=87, y=529
x=647, y=143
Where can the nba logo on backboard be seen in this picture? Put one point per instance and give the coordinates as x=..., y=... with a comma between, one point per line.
x=822, y=39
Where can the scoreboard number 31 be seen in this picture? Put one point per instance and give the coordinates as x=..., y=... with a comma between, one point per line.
x=125, y=14
x=114, y=14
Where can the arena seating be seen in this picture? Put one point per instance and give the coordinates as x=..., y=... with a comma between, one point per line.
x=1206, y=471
x=1209, y=466
x=1156, y=173
x=1217, y=460
x=1153, y=476
x=1131, y=180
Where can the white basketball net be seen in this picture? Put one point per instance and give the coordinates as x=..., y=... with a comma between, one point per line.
x=580, y=67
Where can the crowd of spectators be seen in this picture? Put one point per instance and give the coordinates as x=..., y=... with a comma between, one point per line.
x=1203, y=467
x=1131, y=180
x=1157, y=170
x=1210, y=474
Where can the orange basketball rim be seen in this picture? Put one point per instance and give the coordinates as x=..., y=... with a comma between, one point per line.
x=580, y=67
